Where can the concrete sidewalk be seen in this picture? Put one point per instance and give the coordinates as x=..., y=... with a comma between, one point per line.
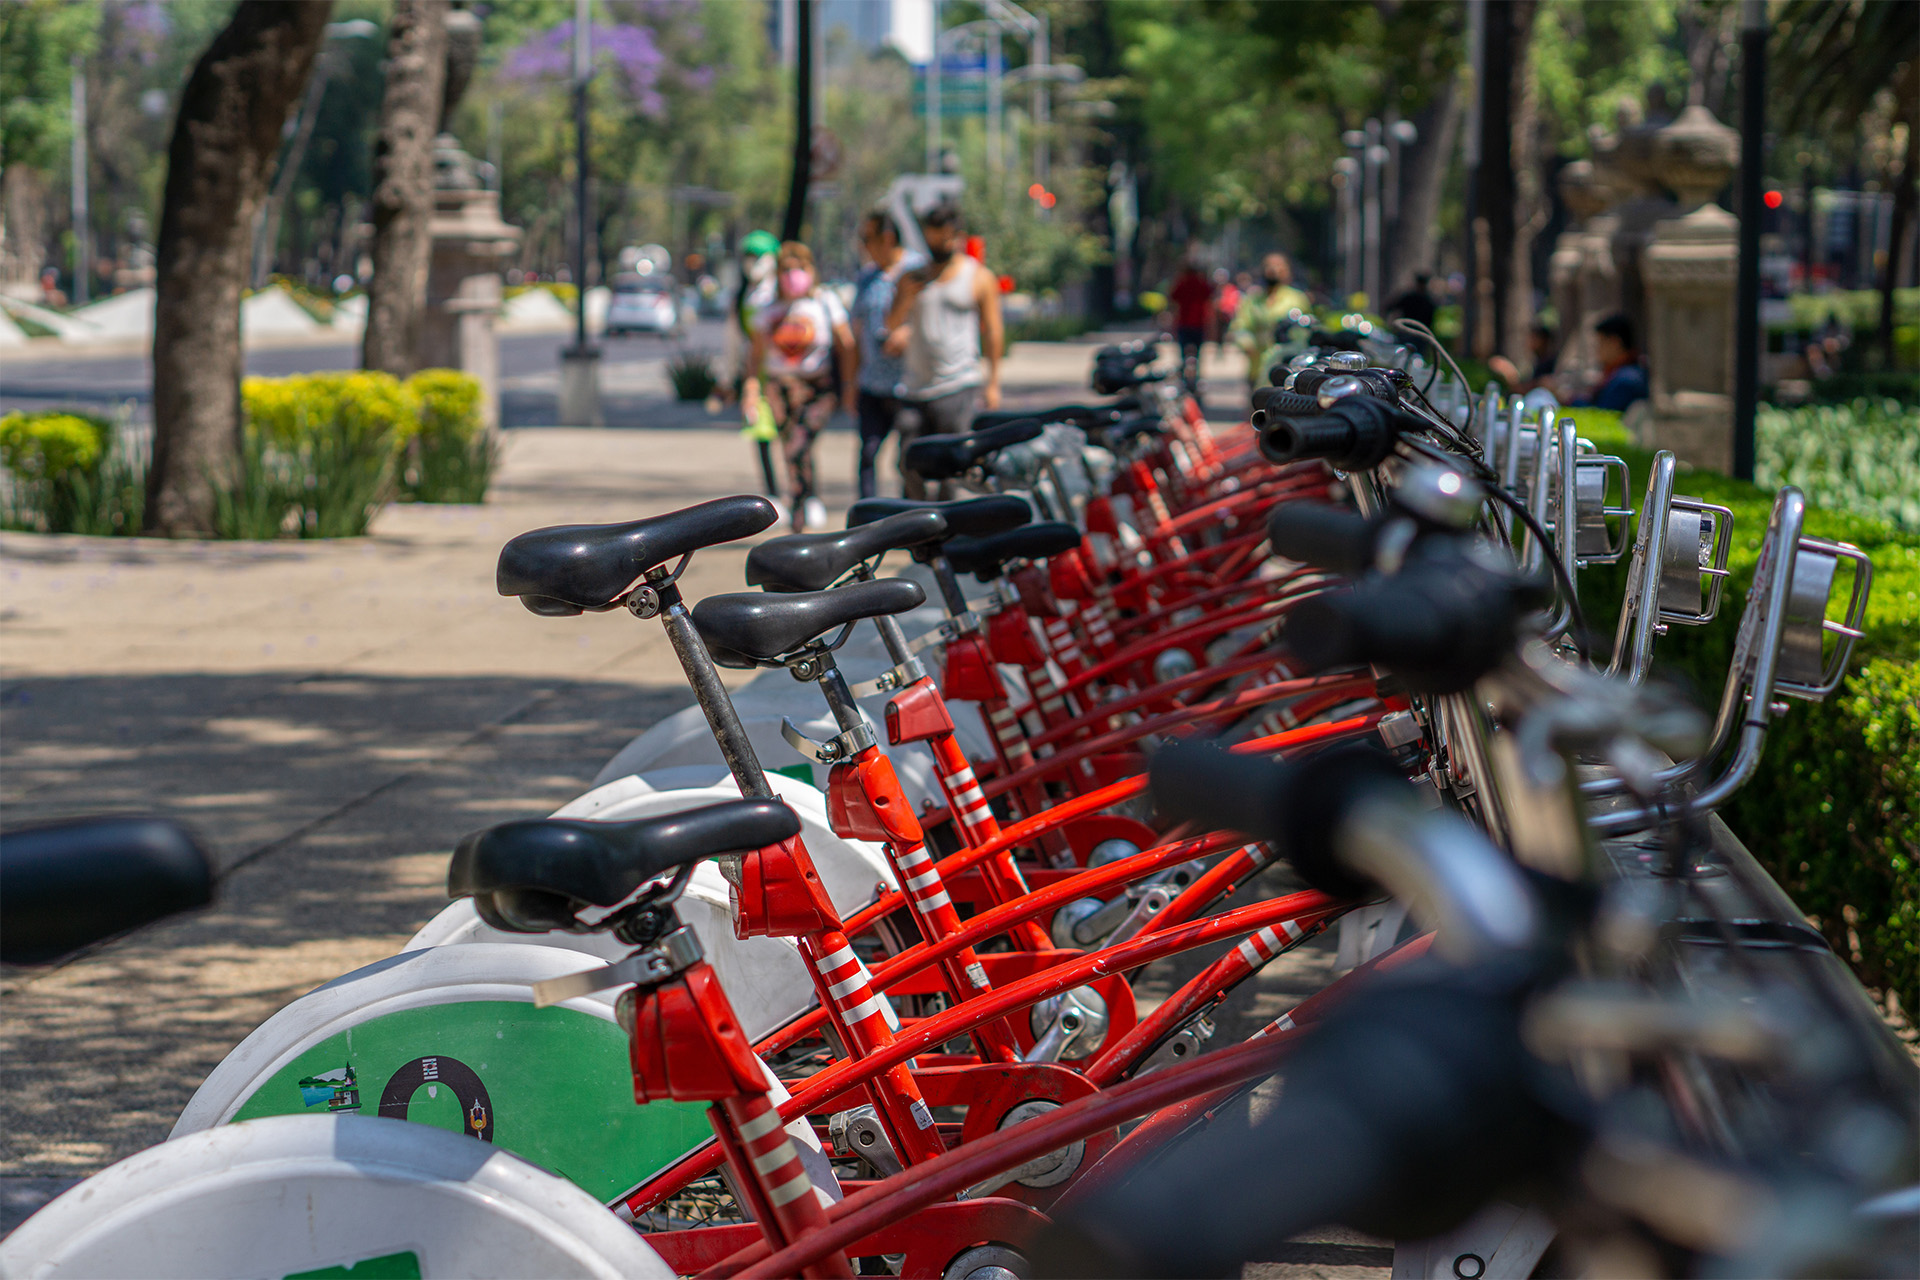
x=331, y=717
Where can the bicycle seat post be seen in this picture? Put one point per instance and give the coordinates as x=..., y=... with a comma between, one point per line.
x=661, y=595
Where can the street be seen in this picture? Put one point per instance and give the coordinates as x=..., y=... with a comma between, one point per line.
x=633, y=375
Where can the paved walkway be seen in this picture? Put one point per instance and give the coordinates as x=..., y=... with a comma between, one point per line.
x=331, y=717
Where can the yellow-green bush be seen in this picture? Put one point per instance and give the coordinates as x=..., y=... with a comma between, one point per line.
x=1834, y=811
x=324, y=451
x=366, y=407
x=41, y=446
x=448, y=402
x=65, y=474
x=451, y=456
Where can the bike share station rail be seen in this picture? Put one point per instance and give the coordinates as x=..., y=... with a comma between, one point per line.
x=930, y=948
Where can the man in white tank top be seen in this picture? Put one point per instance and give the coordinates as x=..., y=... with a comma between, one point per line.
x=946, y=321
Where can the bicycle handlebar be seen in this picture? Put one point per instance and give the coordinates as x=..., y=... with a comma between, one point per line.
x=1338, y=539
x=1440, y=624
x=1356, y=434
x=1406, y=1109
x=1296, y=807
x=1270, y=401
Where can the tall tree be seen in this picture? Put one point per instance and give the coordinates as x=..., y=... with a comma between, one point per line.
x=1531, y=209
x=1423, y=177
x=225, y=137
x=403, y=185
x=38, y=41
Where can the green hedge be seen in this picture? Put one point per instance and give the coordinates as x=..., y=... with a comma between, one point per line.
x=1863, y=457
x=1834, y=811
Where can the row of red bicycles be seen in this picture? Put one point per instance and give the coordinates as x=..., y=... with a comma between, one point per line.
x=1142, y=699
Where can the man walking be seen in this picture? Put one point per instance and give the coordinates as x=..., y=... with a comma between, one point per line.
x=1192, y=298
x=946, y=321
x=881, y=375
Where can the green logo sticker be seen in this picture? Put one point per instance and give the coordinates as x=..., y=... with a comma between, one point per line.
x=392, y=1266
x=553, y=1086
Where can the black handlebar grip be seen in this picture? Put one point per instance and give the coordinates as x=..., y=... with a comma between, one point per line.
x=1356, y=434
x=1270, y=402
x=1308, y=380
x=1338, y=539
x=1419, y=1100
x=1439, y=625
x=1296, y=806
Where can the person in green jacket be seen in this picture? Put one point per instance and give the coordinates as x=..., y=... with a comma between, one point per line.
x=1261, y=310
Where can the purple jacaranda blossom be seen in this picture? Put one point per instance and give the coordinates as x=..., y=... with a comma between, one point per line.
x=630, y=50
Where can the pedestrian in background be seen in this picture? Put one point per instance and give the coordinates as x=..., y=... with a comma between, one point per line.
x=1623, y=379
x=1226, y=301
x=758, y=291
x=1262, y=310
x=881, y=374
x=1192, y=298
x=946, y=321
x=796, y=343
x=1416, y=302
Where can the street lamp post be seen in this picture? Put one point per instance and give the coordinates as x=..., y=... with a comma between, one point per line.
x=1401, y=134
x=933, y=94
x=82, y=256
x=1376, y=157
x=1040, y=71
x=580, y=363
x=1353, y=164
x=1753, y=128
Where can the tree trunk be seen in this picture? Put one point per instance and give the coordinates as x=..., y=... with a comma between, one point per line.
x=1494, y=197
x=1531, y=210
x=403, y=186
x=23, y=224
x=225, y=138
x=1416, y=241
x=1905, y=191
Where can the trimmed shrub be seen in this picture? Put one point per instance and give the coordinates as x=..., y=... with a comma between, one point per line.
x=1834, y=812
x=69, y=473
x=1902, y=385
x=1862, y=457
x=317, y=455
x=450, y=457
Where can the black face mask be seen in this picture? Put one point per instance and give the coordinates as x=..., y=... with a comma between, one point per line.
x=1275, y=281
x=940, y=256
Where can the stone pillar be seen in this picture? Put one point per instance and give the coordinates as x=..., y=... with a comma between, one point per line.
x=1688, y=270
x=470, y=248
x=1571, y=278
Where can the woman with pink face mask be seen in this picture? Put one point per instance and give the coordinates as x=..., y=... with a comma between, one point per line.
x=800, y=343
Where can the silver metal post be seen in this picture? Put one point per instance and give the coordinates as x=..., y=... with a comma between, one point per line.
x=82, y=239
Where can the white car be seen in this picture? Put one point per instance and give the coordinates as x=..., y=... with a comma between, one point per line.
x=643, y=304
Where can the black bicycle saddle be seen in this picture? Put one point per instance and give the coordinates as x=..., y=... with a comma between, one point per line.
x=943, y=457
x=1116, y=434
x=815, y=561
x=986, y=558
x=570, y=568
x=1076, y=415
x=533, y=876
x=966, y=517
x=751, y=627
